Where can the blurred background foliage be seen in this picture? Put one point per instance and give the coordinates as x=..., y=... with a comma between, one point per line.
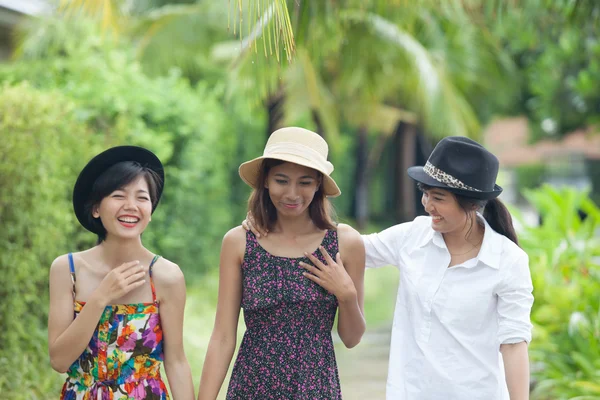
x=203, y=84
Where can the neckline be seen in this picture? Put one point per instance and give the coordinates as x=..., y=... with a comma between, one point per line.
x=316, y=251
x=143, y=304
x=139, y=304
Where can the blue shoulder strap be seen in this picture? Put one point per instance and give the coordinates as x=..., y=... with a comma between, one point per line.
x=72, y=269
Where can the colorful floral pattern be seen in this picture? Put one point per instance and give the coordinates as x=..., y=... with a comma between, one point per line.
x=287, y=351
x=123, y=359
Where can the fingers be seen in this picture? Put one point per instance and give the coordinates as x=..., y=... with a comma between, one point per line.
x=313, y=270
x=326, y=255
x=135, y=278
x=127, y=266
x=313, y=278
x=251, y=225
x=257, y=232
x=318, y=263
x=134, y=270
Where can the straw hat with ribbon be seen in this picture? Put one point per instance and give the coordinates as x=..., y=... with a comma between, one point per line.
x=295, y=145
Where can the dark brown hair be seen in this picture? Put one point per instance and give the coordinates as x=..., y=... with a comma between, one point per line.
x=494, y=211
x=116, y=177
x=264, y=212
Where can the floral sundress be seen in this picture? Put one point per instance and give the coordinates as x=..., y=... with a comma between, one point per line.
x=123, y=359
x=287, y=352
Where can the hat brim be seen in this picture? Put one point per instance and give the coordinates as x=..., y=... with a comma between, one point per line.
x=97, y=165
x=418, y=174
x=250, y=170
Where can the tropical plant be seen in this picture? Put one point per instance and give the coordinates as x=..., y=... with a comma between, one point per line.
x=564, y=253
x=43, y=142
x=556, y=49
x=375, y=68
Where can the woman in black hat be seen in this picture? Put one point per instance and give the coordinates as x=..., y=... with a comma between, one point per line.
x=105, y=329
x=462, y=318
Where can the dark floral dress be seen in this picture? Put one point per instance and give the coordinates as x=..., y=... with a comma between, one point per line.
x=287, y=351
x=123, y=359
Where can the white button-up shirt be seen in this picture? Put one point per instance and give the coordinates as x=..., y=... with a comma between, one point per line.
x=449, y=323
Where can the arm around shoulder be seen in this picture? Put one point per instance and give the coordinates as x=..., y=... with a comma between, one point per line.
x=382, y=248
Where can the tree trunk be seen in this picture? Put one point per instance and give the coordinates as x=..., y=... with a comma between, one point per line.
x=318, y=123
x=361, y=195
x=274, y=104
x=405, y=140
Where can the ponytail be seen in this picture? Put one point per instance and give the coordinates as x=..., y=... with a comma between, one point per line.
x=494, y=211
x=497, y=216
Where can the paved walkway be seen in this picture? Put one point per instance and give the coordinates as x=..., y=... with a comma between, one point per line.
x=363, y=369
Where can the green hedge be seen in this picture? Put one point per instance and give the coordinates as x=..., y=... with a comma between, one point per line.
x=56, y=112
x=41, y=148
x=198, y=136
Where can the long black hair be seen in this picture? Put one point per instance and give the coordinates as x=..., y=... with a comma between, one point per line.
x=116, y=177
x=494, y=211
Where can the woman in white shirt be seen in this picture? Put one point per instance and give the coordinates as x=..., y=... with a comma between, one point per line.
x=462, y=318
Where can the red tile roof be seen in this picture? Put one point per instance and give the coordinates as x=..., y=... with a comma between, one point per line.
x=508, y=140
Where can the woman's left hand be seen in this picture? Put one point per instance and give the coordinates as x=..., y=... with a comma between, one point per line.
x=331, y=276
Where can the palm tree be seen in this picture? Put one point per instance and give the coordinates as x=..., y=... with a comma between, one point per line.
x=385, y=68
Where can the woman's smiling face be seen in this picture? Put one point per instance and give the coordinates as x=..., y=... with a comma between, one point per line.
x=292, y=188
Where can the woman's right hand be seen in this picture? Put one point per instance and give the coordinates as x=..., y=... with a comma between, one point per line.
x=249, y=225
x=120, y=281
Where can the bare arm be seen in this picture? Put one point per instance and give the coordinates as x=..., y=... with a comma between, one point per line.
x=516, y=368
x=68, y=337
x=224, y=335
x=351, y=319
x=345, y=280
x=170, y=288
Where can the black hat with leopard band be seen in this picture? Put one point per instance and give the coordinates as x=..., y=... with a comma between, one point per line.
x=462, y=166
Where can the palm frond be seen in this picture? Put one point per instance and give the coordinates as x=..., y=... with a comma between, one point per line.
x=308, y=94
x=443, y=108
x=107, y=11
x=279, y=36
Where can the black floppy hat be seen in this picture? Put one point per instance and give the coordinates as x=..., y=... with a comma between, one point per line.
x=100, y=163
x=462, y=166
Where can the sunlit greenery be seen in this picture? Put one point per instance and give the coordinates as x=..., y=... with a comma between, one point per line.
x=202, y=83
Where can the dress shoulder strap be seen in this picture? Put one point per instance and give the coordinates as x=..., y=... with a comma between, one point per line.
x=72, y=270
x=156, y=257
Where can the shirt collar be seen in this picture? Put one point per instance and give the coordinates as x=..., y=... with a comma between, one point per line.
x=491, y=247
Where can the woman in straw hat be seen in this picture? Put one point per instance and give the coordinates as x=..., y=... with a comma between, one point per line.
x=289, y=291
x=462, y=319
x=105, y=329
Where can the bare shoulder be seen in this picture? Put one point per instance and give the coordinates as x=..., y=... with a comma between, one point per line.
x=234, y=241
x=60, y=265
x=235, y=235
x=167, y=273
x=349, y=237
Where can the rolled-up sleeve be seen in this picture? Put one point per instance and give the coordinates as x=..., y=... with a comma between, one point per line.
x=383, y=248
x=515, y=299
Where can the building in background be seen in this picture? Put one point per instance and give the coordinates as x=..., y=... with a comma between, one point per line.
x=11, y=12
x=573, y=160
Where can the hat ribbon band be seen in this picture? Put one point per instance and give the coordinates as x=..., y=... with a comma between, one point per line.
x=300, y=150
x=433, y=172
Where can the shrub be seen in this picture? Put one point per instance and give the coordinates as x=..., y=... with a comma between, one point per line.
x=41, y=149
